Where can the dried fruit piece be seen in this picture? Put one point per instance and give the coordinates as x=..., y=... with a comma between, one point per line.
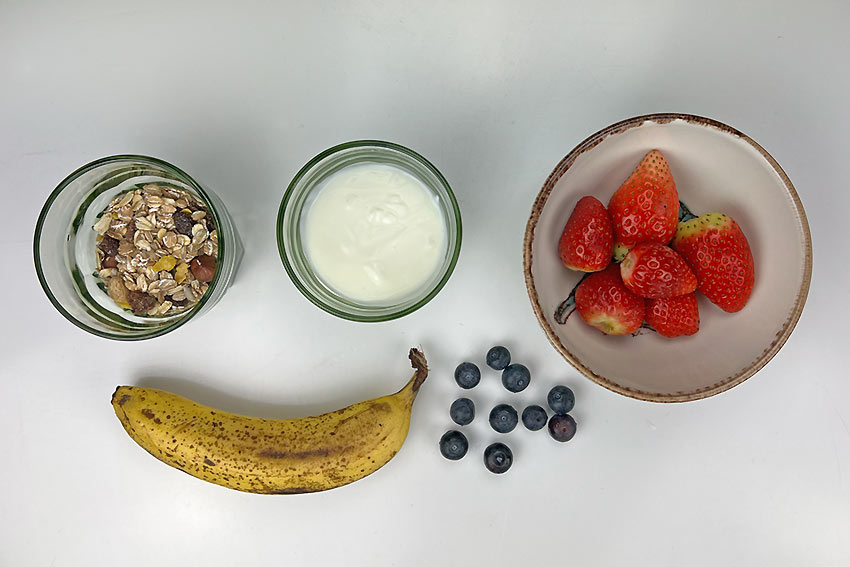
x=140, y=302
x=165, y=263
x=183, y=223
x=109, y=245
x=109, y=262
x=203, y=268
x=117, y=291
x=180, y=272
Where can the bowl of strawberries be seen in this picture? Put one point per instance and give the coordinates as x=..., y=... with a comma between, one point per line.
x=668, y=257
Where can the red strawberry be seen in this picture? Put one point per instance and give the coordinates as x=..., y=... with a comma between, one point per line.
x=654, y=270
x=646, y=206
x=673, y=316
x=605, y=303
x=588, y=237
x=717, y=251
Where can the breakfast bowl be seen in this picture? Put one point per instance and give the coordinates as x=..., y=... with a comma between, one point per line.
x=369, y=231
x=716, y=168
x=146, y=286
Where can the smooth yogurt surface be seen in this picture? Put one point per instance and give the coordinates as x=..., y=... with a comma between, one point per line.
x=374, y=233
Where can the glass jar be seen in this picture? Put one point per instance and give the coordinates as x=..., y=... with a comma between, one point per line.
x=296, y=202
x=64, y=246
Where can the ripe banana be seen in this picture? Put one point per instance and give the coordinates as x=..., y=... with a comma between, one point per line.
x=270, y=456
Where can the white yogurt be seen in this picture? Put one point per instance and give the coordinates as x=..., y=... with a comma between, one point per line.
x=374, y=233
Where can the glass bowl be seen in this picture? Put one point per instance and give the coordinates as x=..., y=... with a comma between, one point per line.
x=296, y=201
x=64, y=246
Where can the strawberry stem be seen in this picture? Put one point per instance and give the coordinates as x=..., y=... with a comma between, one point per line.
x=567, y=306
x=644, y=327
x=685, y=213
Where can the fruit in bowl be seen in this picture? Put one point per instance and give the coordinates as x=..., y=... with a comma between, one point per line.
x=749, y=251
x=717, y=250
x=709, y=253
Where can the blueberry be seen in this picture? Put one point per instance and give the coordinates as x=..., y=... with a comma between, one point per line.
x=498, y=357
x=561, y=399
x=516, y=377
x=453, y=445
x=562, y=427
x=534, y=418
x=467, y=375
x=498, y=458
x=503, y=418
x=462, y=411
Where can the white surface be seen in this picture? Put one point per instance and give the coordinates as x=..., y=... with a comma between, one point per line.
x=374, y=233
x=494, y=94
x=713, y=171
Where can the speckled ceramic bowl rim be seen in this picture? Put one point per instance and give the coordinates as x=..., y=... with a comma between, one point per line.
x=540, y=203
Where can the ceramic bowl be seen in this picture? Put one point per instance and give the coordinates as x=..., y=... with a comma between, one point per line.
x=716, y=168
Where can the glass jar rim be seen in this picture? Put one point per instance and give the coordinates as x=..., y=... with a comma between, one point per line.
x=292, y=270
x=155, y=331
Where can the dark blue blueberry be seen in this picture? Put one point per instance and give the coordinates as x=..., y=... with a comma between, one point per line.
x=498, y=458
x=562, y=427
x=453, y=445
x=462, y=411
x=561, y=399
x=467, y=375
x=498, y=358
x=503, y=418
x=516, y=378
x=534, y=418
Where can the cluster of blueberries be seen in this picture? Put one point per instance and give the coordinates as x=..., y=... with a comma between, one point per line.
x=498, y=457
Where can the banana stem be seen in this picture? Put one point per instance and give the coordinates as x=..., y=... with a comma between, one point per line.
x=420, y=365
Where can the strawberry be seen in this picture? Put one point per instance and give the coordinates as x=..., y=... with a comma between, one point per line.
x=588, y=237
x=646, y=206
x=673, y=316
x=717, y=251
x=604, y=302
x=653, y=270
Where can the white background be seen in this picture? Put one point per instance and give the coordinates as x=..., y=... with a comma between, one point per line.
x=494, y=93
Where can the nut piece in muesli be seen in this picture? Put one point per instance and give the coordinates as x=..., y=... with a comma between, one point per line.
x=157, y=249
